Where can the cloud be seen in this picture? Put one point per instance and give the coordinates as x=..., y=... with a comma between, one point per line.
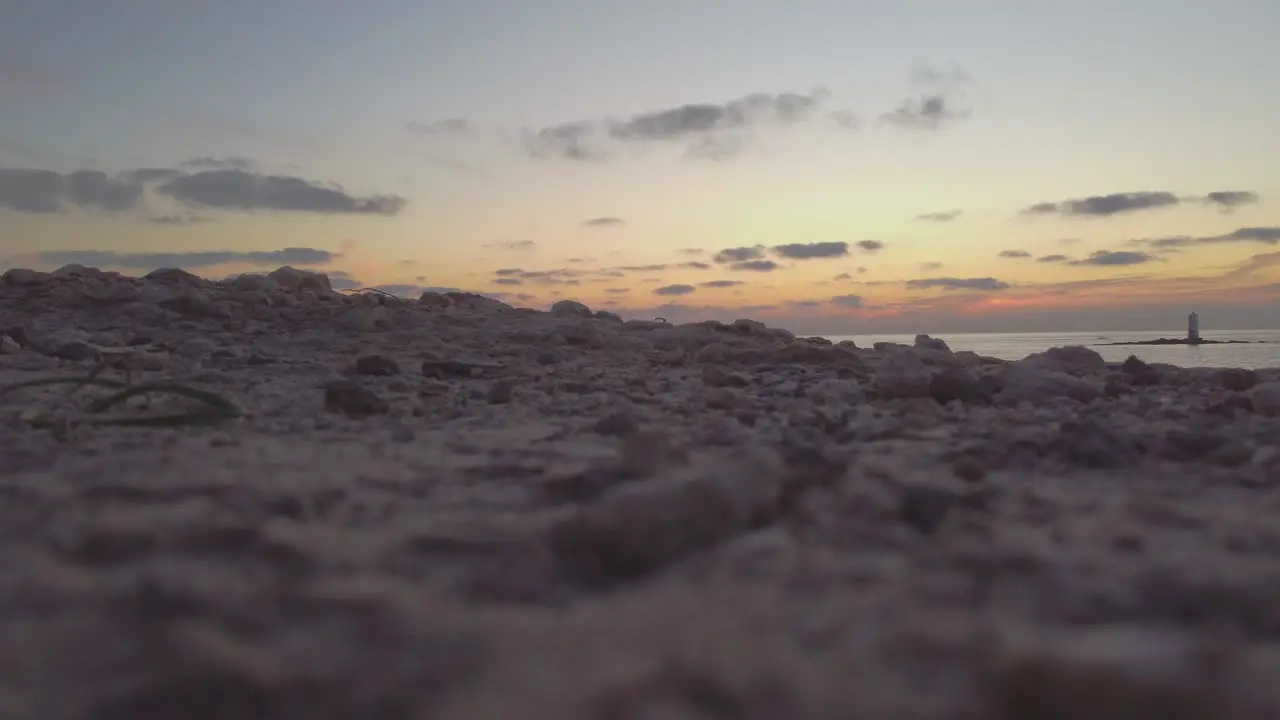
x=696, y=265
x=1014, y=254
x=602, y=222
x=925, y=113
x=843, y=277
x=674, y=290
x=447, y=126
x=720, y=283
x=573, y=141
x=298, y=256
x=809, y=251
x=240, y=190
x=755, y=265
x=940, y=217
x=871, y=245
x=845, y=119
x=847, y=301
x=182, y=220
x=1109, y=258
x=691, y=251
x=49, y=192
x=709, y=129
x=617, y=291
x=1105, y=205
x=209, y=163
x=508, y=281
x=1264, y=235
x=1052, y=258
x=950, y=283
x=930, y=265
x=739, y=254
x=515, y=245
x=1231, y=199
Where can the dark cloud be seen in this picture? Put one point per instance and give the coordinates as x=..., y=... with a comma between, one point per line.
x=210, y=163
x=605, y=222
x=1116, y=257
x=927, y=112
x=447, y=126
x=691, y=251
x=694, y=265
x=674, y=290
x=755, y=265
x=1106, y=205
x=506, y=272
x=870, y=245
x=145, y=176
x=941, y=217
x=950, y=283
x=721, y=283
x=653, y=267
x=1052, y=258
x=709, y=128
x=297, y=256
x=1014, y=254
x=1264, y=235
x=739, y=254
x=843, y=276
x=1231, y=199
x=930, y=265
x=847, y=301
x=240, y=190
x=48, y=192
x=809, y=251
x=803, y=304
x=618, y=291
x=508, y=281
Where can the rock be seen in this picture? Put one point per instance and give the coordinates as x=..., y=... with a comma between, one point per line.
x=950, y=385
x=570, y=308
x=23, y=277
x=250, y=282
x=293, y=279
x=193, y=304
x=1092, y=445
x=608, y=316
x=837, y=392
x=9, y=346
x=925, y=508
x=714, y=376
x=928, y=343
x=1073, y=360
x=434, y=300
x=174, y=276
x=902, y=374
x=1034, y=384
x=1138, y=372
x=501, y=392
x=196, y=347
x=1237, y=379
x=618, y=424
x=354, y=399
x=377, y=365
x=1265, y=398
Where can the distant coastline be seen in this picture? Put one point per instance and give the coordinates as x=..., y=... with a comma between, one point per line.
x=1187, y=341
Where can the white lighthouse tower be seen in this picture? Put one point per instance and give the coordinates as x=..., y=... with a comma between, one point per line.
x=1193, y=328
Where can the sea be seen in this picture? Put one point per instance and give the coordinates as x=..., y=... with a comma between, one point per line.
x=1262, y=352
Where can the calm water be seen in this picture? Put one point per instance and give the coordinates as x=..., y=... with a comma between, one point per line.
x=1013, y=346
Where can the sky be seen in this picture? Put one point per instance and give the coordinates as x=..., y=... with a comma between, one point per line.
x=828, y=166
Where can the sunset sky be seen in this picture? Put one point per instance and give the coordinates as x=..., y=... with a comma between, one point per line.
x=829, y=166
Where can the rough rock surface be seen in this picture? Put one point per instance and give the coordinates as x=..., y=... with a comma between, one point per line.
x=450, y=508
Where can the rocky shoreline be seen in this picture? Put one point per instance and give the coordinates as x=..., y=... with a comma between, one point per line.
x=260, y=498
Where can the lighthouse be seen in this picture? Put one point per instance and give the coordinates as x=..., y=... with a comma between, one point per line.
x=1193, y=328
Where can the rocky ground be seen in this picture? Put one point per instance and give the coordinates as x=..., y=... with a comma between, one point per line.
x=262, y=499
